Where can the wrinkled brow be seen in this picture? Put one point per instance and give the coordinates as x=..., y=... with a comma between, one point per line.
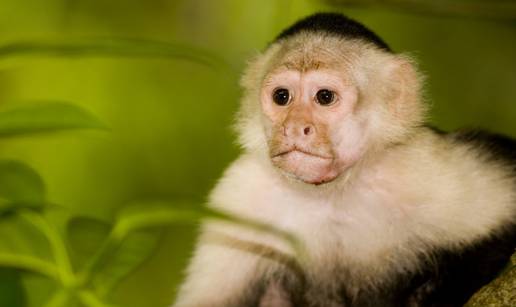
x=305, y=59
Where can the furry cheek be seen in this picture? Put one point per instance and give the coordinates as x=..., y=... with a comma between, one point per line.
x=350, y=142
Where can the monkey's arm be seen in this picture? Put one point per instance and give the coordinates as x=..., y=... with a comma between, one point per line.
x=218, y=275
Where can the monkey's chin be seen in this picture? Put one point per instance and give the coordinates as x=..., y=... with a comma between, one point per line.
x=305, y=167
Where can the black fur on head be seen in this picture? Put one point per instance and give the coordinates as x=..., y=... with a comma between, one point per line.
x=334, y=23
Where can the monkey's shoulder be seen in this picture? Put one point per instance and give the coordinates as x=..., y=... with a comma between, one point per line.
x=494, y=146
x=497, y=146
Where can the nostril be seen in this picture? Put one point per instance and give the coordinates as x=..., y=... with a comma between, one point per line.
x=307, y=130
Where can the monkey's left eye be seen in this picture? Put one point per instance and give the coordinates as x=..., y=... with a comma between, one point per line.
x=325, y=97
x=281, y=96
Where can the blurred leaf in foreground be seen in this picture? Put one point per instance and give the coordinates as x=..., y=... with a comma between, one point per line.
x=115, y=47
x=85, y=237
x=133, y=251
x=146, y=215
x=135, y=235
x=49, y=117
x=20, y=186
x=103, y=258
x=12, y=293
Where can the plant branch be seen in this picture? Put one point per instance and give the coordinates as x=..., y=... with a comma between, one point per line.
x=31, y=264
x=56, y=243
x=89, y=299
x=59, y=299
x=115, y=47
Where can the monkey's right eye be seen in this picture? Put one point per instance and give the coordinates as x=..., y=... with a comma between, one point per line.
x=281, y=96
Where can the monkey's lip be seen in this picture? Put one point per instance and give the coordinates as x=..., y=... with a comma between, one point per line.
x=306, y=166
x=302, y=151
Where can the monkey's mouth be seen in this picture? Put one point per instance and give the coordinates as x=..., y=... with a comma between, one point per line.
x=302, y=151
x=307, y=166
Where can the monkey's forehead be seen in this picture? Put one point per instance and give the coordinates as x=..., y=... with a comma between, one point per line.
x=305, y=63
x=311, y=51
x=335, y=24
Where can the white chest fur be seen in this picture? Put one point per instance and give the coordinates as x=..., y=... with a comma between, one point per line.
x=385, y=220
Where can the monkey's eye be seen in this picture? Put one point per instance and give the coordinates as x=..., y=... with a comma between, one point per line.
x=281, y=96
x=325, y=97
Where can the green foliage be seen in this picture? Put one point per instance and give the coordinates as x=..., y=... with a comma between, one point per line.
x=22, y=191
x=115, y=251
x=48, y=117
x=95, y=255
x=131, y=252
x=114, y=47
x=92, y=257
x=84, y=236
x=20, y=185
x=11, y=292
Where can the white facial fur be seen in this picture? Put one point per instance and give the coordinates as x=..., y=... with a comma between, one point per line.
x=310, y=141
x=378, y=104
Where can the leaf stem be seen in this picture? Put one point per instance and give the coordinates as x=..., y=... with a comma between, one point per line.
x=116, y=47
x=30, y=264
x=167, y=216
x=89, y=299
x=58, y=299
x=56, y=243
x=109, y=245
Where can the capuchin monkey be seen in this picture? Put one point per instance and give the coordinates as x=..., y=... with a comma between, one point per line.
x=390, y=211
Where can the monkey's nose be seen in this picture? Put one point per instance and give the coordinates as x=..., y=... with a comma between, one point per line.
x=299, y=130
x=305, y=130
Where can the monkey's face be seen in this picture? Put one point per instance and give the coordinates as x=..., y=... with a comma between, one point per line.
x=312, y=131
x=325, y=103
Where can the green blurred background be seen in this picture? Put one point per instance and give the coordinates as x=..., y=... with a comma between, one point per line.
x=170, y=118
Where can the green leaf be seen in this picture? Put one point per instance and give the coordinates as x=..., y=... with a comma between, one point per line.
x=21, y=242
x=90, y=299
x=152, y=214
x=132, y=240
x=49, y=117
x=29, y=264
x=112, y=257
x=12, y=293
x=85, y=236
x=56, y=243
x=20, y=186
x=60, y=298
x=115, y=47
x=132, y=251
x=144, y=215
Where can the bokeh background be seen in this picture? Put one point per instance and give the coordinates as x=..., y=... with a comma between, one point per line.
x=169, y=117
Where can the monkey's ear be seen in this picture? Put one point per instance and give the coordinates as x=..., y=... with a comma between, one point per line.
x=404, y=96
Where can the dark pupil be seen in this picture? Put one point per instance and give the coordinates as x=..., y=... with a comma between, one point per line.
x=281, y=96
x=325, y=97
